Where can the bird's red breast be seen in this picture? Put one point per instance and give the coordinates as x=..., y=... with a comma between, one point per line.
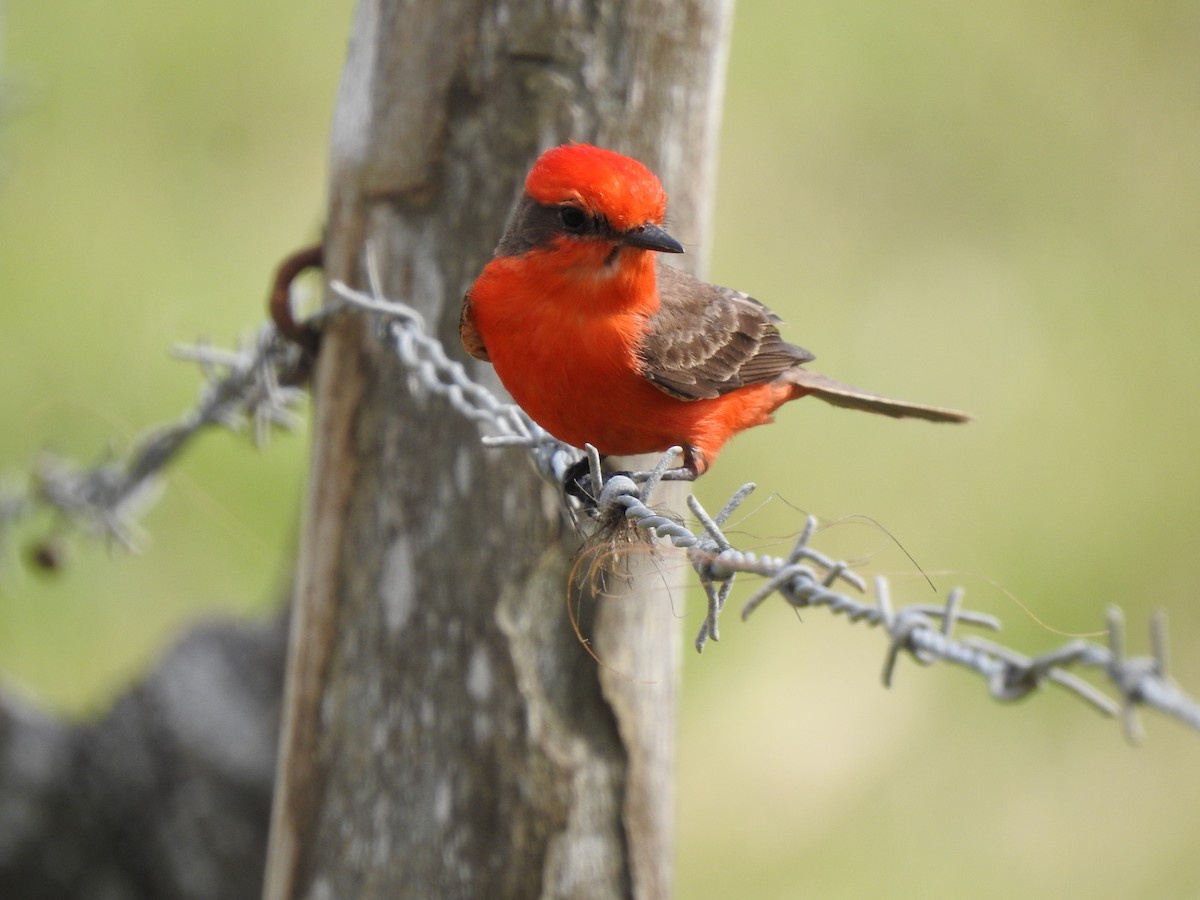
x=575, y=366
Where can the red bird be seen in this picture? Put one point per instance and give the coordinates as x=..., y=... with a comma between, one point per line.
x=600, y=342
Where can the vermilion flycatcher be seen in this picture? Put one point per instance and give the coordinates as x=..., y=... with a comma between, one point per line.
x=600, y=342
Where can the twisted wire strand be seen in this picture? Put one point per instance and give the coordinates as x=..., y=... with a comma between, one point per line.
x=252, y=385
x=805, y=577
x=243, y=387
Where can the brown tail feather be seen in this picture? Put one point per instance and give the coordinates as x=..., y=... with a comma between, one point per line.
x=833, y=391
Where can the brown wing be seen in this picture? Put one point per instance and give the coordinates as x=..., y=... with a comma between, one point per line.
x=706, y=341
x=472, y=340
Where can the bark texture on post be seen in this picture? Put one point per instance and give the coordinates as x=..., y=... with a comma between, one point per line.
x=445, y=735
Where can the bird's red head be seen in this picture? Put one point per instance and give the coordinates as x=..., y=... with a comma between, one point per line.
x=620, y=189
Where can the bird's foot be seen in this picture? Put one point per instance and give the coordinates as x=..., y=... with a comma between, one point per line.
x=585, y=481
x=580, y=482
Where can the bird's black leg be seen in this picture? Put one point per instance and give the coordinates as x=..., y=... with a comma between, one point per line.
x=577, y=482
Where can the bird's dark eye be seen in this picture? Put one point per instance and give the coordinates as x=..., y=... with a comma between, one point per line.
x=573, y=218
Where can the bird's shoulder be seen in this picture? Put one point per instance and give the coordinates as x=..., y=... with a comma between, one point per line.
x=705, y=340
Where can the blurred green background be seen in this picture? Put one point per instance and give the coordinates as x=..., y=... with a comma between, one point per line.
x=994, y=206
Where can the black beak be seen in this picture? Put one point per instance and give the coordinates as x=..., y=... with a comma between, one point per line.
x=651, y=237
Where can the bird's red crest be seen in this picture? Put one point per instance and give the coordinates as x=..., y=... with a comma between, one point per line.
x=617, y=187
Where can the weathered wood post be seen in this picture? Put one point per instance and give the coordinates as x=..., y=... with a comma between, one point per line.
x=445, y=735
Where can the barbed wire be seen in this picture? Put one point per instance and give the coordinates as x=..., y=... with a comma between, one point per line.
x=256, y=385
x=437, y=373
x=250, y=386
x=805, y=577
